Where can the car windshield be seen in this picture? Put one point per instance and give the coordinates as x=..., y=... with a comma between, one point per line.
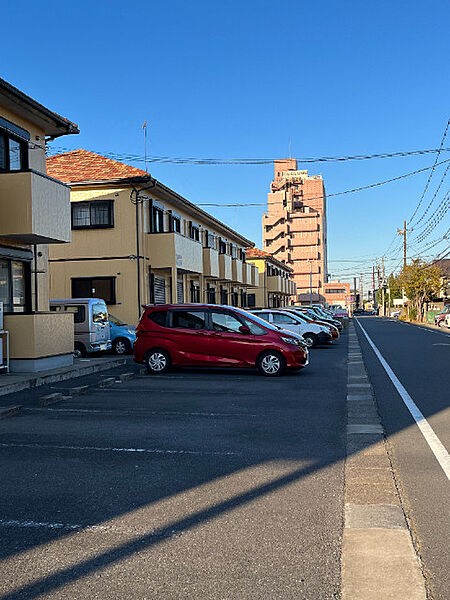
x=99, y=313
x=116, y=321
x=255, y=318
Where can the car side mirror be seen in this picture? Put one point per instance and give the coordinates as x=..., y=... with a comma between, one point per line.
x=244, y=329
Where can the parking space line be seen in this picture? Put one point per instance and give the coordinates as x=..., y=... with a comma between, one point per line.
x=78, y=527
x=123, y=450
x=137, y=411
x=435, y=444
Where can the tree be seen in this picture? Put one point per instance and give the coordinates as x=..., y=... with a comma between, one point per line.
x=421, y=281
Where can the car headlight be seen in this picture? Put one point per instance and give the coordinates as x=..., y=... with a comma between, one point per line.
x=131, y=331
x=290, y=340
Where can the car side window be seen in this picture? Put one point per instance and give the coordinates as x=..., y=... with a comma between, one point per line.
x=263, y=315
x=255, y=329
x=280, y=318
x=159, y=317
x=188, y=319
x=224, y=322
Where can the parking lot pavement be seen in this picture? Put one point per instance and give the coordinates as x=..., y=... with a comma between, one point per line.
x=198, y=483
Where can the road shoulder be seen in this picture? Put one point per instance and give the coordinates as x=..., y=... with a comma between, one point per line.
x=378, y=555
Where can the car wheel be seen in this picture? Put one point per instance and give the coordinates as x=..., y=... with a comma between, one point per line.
x=80, y=350
x=441, y=323
x=121, y=346
x=271, y=363
x=310, y=339
x=157, y=361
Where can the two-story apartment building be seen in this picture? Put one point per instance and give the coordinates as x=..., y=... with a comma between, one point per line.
x=276, y=284
x=34, y=213
x=136, y=241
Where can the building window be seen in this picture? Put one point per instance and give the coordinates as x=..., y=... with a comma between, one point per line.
x=234, y=299
x=93, y=215
x=210, y=294
x=210, y=240
x=251, y=300
x=95, y=287
x=242, y=254
x=156, y=219
x=222, y=246
x=15, y=286
x=194, y=231
x=334, y=291
x=243, y=299
x=195, y=292
x=13, y=153
x=223, y=295
x=174, y=222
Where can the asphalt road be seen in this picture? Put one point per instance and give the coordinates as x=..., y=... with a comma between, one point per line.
x=195, y=484
x=420, y=358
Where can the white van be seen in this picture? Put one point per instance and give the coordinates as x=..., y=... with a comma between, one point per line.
x=92, y=330
x=312, y=334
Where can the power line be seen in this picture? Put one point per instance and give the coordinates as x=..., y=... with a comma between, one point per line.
x=431, y=174
x=359, y=189
x=434, y=196
x=248, y=161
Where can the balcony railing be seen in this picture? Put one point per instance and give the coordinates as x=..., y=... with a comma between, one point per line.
x=236, y=270
x=169, y=250
x=210, y=262
x=225, y=267
x=34, y=208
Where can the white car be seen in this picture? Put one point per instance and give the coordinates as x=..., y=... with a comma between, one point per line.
x=312, y=334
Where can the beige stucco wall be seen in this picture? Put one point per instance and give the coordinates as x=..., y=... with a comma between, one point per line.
x=126, y=283
x=36, y=155
x=34, y=208
x=40, y=335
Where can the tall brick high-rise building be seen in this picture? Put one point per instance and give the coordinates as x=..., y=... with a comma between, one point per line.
x=295, y=227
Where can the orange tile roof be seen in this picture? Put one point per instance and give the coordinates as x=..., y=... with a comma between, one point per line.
x=257, y=253
x=82, y=165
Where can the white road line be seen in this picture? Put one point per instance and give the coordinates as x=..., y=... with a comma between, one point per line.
x=125, y=450
x=138, y=412
x=431, y=438
x=16, y=523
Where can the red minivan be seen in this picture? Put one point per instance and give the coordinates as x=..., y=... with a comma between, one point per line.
x=215, y=336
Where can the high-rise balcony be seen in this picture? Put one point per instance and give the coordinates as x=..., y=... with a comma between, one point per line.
x=34, y=208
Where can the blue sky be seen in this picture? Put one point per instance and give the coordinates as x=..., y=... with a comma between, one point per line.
x=238, y=79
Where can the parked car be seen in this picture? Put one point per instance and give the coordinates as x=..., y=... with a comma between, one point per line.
x=92, y=331
x=311, y=317
x=314, y=310
x=439, y=319
x=215, y=336
x=312, y=333
x=122, y=336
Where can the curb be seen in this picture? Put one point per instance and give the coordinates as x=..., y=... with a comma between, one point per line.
x=10, y=411
x=378, y=556
x=52, y=377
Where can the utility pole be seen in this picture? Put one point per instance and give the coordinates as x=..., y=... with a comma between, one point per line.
x=361, y=290
x=403, y=232
x=354, y=291
x=373, y=286
x=383, y=286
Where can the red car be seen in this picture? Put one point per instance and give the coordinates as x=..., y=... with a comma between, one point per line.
x=215, y=336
